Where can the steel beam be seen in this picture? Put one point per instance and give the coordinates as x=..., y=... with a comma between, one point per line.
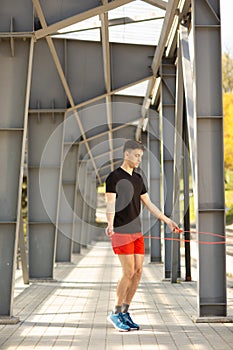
x=21, y=13
x=84, y=187
x=89, y=205
x=154, y=181
x=189, y=102
x=78, y=207
x=66, y=204
x=168, y=20
x=178, y=142
x=77, y=18
x=67, y=191
x=107, y=75
x=112, y=92
x=145, y=174
x=210, y=165
x=15, y=77
x=158, y=3
x=168, y=91
x=44, y=162
x=186, y=167
x=63, y=78
x=182, y=14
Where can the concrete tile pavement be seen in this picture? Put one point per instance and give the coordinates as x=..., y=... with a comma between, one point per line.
x=70, y=313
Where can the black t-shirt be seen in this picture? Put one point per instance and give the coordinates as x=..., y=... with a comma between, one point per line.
x=128, y=189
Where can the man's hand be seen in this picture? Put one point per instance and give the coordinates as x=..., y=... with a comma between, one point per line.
x=109, y=231
x=173, y=227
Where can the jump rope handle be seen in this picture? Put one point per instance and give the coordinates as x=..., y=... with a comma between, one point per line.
x=180, y=230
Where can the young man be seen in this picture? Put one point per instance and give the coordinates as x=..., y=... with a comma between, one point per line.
x=125, y=190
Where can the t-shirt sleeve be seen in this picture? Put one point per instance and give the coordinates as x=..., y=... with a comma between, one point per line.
x=111, y=184
x=144, y=189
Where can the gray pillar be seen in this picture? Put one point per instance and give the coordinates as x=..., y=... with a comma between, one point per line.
x=77, y=223
x=88, y=198
x=210, y=166
x=77, y=214
x=92, y=207
x=178, y=142
x=44, y=161
x=145, y=216
x=168, y=75
x=83, y=189
x=15, y=79
x=186, y=170
x=66, y=204
x=154, y=178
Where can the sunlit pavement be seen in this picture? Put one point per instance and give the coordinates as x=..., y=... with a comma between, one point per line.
x=70, y=312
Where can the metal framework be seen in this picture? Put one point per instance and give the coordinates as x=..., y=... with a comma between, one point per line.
x=64, y=100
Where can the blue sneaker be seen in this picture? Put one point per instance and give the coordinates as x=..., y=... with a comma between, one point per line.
x=117, y=322
x=129, y=322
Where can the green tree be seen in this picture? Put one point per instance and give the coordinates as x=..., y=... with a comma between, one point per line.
x=227, y=72
x=228, y=130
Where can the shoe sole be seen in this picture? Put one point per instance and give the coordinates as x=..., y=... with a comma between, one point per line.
x=119, y=329
x=135, y=329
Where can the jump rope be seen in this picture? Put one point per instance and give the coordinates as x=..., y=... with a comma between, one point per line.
x=225, y=239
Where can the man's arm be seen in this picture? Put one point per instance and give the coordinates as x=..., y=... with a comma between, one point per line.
x=110, y=212
x=157, y=213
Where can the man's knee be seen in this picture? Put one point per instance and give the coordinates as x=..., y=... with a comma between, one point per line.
x=132, y=273
x=129, y=274
x=138, y=272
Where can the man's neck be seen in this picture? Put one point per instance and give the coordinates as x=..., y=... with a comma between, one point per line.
x=126, y=167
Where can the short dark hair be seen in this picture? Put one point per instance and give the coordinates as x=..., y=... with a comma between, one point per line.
x=132, y=144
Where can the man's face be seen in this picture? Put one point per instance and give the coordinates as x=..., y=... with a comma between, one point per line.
x=134, y=157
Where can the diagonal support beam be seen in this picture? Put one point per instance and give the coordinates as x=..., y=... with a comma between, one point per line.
x=182, y=13
x=168, y=20
x=64, y=82
x=158, y=3
x=53, y=28
x=107, y=75
x=189, y=99
x=113, y=92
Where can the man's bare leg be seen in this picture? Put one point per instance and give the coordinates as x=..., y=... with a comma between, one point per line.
x=124, y=283
x=131, y=275
x=138, y=262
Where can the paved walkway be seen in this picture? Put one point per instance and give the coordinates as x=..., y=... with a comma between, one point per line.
x=70, y=313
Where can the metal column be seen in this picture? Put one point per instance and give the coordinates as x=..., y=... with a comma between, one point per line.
x=77, y=223
x=145, y=215
x=154, y=157
x=91, y=206
x=44, y=160
x=83, y=185
x=168, y=75
x=66, y=205
x=210, y=167
x=178, y=142
x=15, y=77
x=67, y=183
x=88, y=196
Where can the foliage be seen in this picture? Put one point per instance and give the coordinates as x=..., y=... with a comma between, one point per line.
x=227, y=72
x=228, y=130
x=229, y=216
x=24, y=198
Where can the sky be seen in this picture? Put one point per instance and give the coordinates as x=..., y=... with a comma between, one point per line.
x=147, y=31
x=227, y=25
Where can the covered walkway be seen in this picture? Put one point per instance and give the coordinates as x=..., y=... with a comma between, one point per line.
x=66, y=111
x=70, y=311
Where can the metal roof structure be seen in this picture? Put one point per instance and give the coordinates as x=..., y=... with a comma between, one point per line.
x=73, y=99
x=43, y=12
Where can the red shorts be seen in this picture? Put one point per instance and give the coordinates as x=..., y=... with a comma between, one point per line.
x=128, y=243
